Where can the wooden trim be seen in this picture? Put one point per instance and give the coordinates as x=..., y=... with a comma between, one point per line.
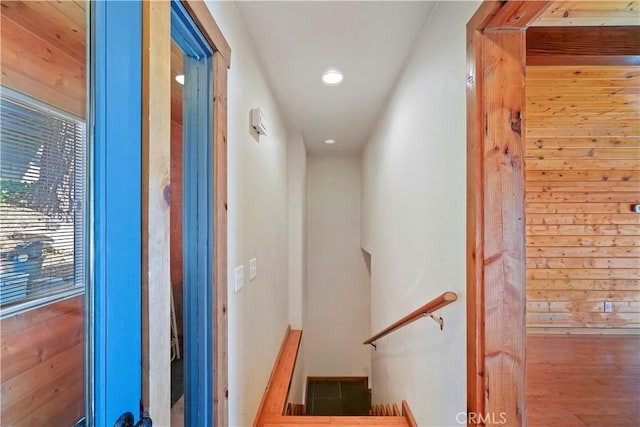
x=156, y=113
x=406, y=413
x=495, y=205
x=433, y=305
x=516, y=15
x=485, y=13
x=221, y=386
x=274, y=400
x=504, y=221
x=583, y=45
x=202, y=17
x=475, y=213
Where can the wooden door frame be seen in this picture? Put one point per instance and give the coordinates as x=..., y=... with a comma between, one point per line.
x=155, y=206
x=496, y=279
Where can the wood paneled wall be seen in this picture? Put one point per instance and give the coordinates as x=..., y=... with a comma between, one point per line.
x=590, y=13
x=582, y=177
x=43, y=51
x=42, y=55
x=42, y=367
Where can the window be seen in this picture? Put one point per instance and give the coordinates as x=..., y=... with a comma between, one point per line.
x=42, y=193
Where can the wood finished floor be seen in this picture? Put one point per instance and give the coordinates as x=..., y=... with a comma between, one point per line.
x=583, y=381
x=177, y=413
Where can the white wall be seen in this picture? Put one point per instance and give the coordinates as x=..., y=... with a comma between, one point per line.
x=337, y=303
x=258, y=224
x=297, y=229
x=297, y=251
x=413, y=223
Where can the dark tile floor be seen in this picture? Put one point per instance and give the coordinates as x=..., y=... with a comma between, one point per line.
x=177, y=380
x=338, y=397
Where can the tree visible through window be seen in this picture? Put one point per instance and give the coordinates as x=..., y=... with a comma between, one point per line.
x=42, y=191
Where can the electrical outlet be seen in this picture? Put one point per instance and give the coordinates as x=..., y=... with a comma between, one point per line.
x=253, y=268
x=239, y=278
x=608, y=307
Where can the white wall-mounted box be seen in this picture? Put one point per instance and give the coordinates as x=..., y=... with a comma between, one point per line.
x=258, y=121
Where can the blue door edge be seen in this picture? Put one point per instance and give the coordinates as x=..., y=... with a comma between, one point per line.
x=115, y=132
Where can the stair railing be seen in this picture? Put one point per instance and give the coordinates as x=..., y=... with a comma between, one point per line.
x=424, y=311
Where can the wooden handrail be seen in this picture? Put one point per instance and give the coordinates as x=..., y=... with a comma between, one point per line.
x=430, y=307
x=406, y=412
x=274, y=400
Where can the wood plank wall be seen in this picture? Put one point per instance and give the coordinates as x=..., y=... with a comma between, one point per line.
x=43, y=51
x=42, y=365
x=42, y=362
x=590, y=13
x=582, y=176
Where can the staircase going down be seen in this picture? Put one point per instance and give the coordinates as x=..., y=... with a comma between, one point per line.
x=385, y=410
x=274, y=411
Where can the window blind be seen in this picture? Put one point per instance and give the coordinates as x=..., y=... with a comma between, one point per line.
x=42, y=190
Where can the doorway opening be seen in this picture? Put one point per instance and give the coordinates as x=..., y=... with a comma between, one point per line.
x=508, y=202
x=191, y=173
x=192, y=151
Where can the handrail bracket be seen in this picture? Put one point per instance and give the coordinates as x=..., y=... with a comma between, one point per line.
x=439, y=320
x=426, y=310
x=374, y=346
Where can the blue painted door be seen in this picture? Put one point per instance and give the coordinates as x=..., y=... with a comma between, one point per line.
x=114, y=326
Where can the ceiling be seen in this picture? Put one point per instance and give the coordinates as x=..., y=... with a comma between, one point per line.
x=368, y=42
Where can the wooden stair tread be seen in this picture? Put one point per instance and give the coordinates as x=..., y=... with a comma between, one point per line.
x=317, y=421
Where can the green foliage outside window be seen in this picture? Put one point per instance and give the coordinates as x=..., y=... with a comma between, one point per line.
x=16, y=193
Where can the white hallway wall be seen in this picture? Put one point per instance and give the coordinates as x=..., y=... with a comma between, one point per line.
x=413, y=223
x=297, y=252
x=337, y=302
x=258, y=223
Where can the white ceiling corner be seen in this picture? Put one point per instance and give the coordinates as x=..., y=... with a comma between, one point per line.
x=368, y=41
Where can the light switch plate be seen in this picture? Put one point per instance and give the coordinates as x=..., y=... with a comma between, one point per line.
x=239, y=276
x=253, y=268
x=608, y=307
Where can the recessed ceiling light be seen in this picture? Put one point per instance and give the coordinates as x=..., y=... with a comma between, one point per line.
x=329, y=141
x=332, y=77
x=180, y=79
